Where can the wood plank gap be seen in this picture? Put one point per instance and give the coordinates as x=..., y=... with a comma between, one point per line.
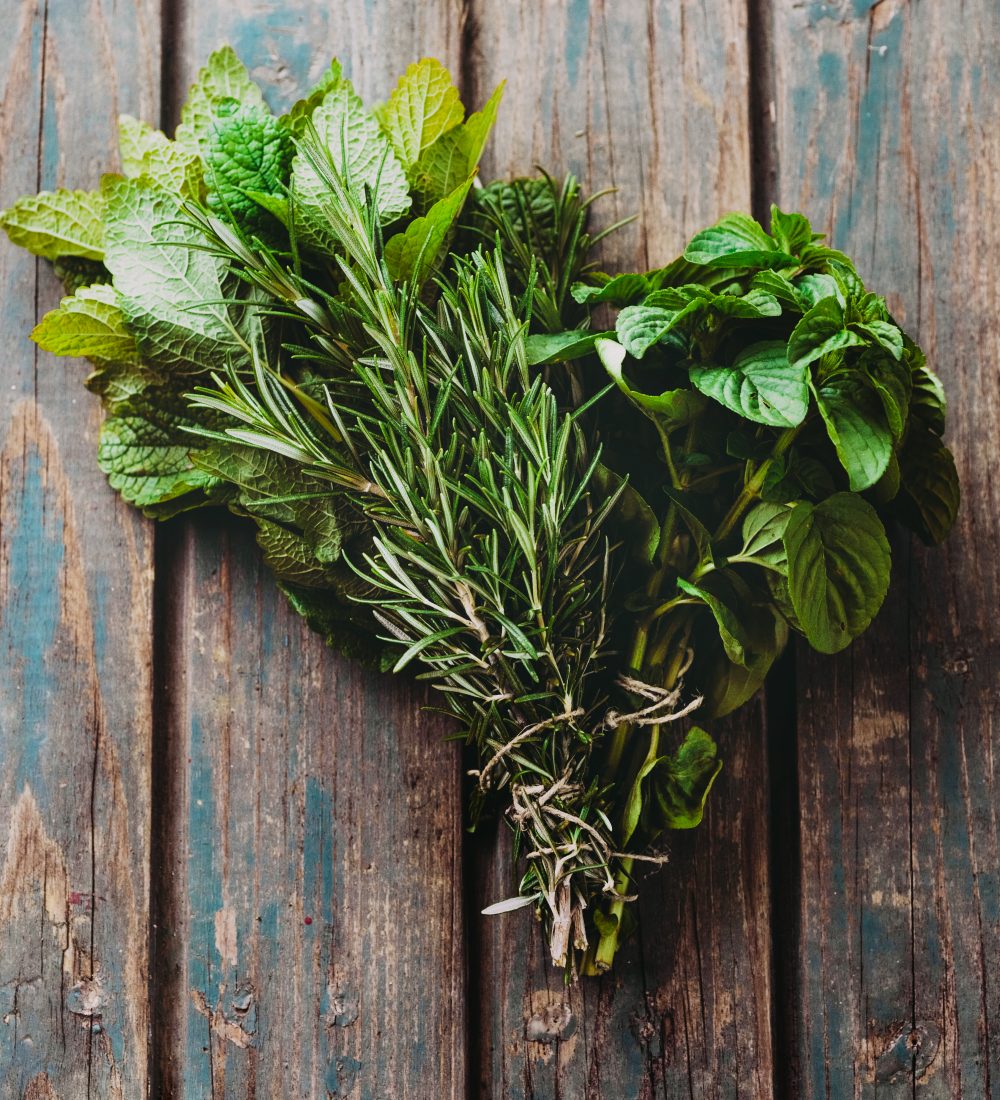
x=763, y=143
x=172, y=90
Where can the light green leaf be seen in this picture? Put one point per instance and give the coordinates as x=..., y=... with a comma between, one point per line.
x=150, y=153
x=558, y=347
x=302, y=110
x=682, y=781
x=360, y=152
x=856, y=424
x=838, y=568
x=89, y=325
x=814, y=288
x=736, y=240
x=424, y=105
x=640, y=327
x=413, y=254
x=886, y=335
x=621, y=290
x=170, y=290
x=57, y=223
x=454, y=157
x=820, y=332
x=763, y=531
x=761, y=385
x=792, y=232
x=222, y=87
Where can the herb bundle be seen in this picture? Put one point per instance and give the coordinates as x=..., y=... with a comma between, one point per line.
x=582, y=534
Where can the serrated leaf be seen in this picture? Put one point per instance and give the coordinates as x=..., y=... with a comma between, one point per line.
x=621, y=290
x=820, y=332
x=761, y=385
x=424, y=105
x=59, y=223
x=640, y=327
x=413, y=255
x=814, y=288
x=170, y=290
x=856, y=424
x=248, y=155
x=791, y=231
x=682, y=781
x=731, y=631
x=222, y=87
x=89, y=325
x=736, y=240
x=297, y=118
x=886, y=335
x=454, y=156
x=360, y=152
x=929, y=488
x=150, y=153
x=838, y=568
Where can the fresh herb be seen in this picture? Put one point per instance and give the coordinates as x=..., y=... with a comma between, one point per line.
x=581, y=533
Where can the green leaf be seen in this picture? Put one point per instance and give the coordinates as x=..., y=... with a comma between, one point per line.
x=927, y=400
x=223, y=86
x=631, y=517
x=856, y=424
x=812, y=289
x=149, y=153
x=792, y=232
x=298, y=117
x=731, y=631
x=729, y=685
x=248, y=154
x=761, y=385
x=413, y=255
x=454, y=156
x=886, y=335
x=682, y=781
x=672, y=408
x=640, y=327
x=778, y=286
x=838, y=568
x=424, y=105
x=763, y=532
x=929, y=488
x=893, y=384
x=820, y=332
x=621, y=290
x=57, y=223
x=170, y=290
x=89, y=325
x=147, y=459
x=736, y=240
x=360, y=152
x=543, y=348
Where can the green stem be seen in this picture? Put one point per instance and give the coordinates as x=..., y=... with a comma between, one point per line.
x=753, y=487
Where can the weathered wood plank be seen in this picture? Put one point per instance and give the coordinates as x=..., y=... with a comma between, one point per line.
x=312, y=940
x=75, y=605
x=887, y=131
x=652, y=99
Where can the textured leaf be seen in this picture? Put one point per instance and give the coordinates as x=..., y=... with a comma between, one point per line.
x=791, y=232
x=621, y=290
x=856, y=424
x=814, y=288
x=57, y=223
x=222, y=87
x=248, y=155
x=671, y=408
x=360, y=152
x=893, y=384
x=413, y=254
x=682, y=781
x=454, y=157
x=424, y=105
x=148, y=153
x=170, y=290
x=838, y=568
x=761, y=385
x=640, y=327
x=296, y=121
x=820, y=332
x=736, y=240
x=763, y=531
x=886, y=335
x=929, y=488
x=89, y=325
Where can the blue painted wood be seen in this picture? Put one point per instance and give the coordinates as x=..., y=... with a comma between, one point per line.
x=75, y=605
x=886, y=133
x=313, y=938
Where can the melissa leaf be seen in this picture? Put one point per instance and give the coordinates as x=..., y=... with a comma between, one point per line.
x=89, y=325
x=223, y=86
x=59, y=223
x=413, y=254
x=423, y=106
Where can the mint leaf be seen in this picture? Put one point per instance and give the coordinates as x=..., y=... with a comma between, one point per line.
x=57, y=223
x=248, y=155
x=89, y=325
x=838, y=568
x=640, y=327
x=671, y=408
x=423, y=106
x=734, y=638
x=761, y=385
x=622, y=290
x=791, y=232
x=929, y=493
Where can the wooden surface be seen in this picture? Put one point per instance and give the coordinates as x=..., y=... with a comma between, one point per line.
x=233, y=863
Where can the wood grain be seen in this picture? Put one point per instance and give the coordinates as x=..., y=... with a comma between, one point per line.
x=887, y=134
x=75, y=605
x=311, y=939
x=652, y=99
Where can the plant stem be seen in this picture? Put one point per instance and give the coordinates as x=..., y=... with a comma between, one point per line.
x=753, y=486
